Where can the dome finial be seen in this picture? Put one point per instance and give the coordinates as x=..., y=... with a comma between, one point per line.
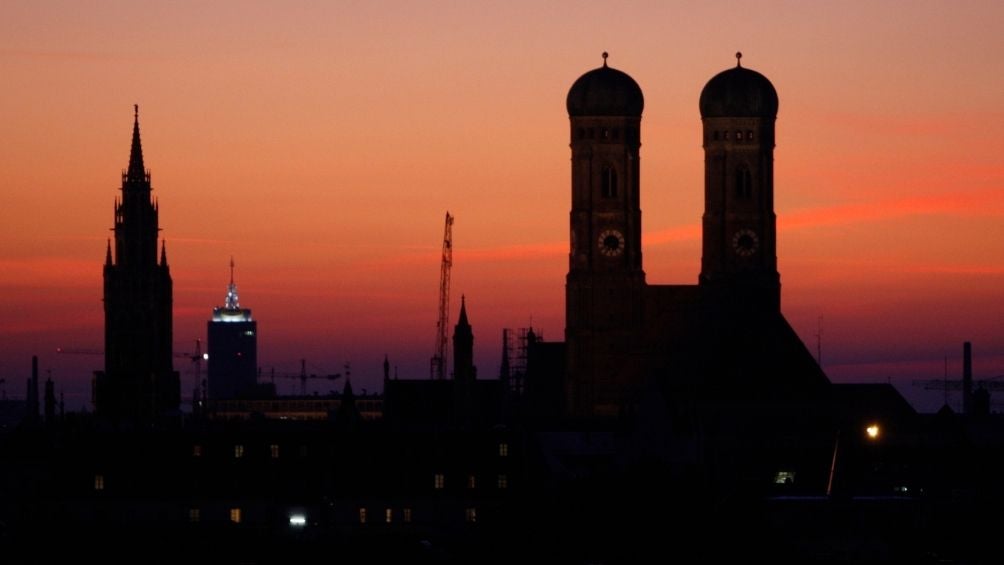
x=739, y=58
x=605, y=55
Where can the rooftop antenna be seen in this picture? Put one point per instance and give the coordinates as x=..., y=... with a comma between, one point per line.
x=946, y=379
x=819, y=329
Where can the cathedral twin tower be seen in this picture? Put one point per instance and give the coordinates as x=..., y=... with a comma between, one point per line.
x=624, y=337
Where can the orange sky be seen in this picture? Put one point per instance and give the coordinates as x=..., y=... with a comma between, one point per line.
x=321, y=143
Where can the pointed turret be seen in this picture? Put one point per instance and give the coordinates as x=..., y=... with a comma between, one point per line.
x=108, y=253
x=137, y=172
x=347, y=417
x=463, y=346
x=163, y=254
x=463, y=313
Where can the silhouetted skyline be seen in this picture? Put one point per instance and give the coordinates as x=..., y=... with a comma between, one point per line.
x=322, y=147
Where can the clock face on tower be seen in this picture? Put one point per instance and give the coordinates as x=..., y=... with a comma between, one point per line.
x=745, y=242
x=611, y=243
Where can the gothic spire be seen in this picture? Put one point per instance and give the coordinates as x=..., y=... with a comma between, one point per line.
x=137, y=172
x=163, y=253
x=108, y=253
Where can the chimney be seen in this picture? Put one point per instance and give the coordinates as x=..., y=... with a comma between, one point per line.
x=967, y=378
x=32, y=393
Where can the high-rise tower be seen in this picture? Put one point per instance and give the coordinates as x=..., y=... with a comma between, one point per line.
x=233, y=348
x=139, y=382
x=738, y=109
x=605, y=284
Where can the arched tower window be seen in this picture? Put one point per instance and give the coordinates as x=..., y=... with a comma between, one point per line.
x=608, y=182
x=744, y=182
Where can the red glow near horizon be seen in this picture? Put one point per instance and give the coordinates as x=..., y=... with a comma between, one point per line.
x=320, y=146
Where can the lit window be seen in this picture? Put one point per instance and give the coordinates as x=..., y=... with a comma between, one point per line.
x=297, y=520
x=739, y=135
x=274, y=450
x=749, y=134
x=388, y=515
x=238, y=451
x=471, y=515
x=235, y=515
x=196, y=450
x=362, y=515
x=194, y=515
x=438, y=481
x=99, y=482
x=503, y=449
x=472, y=482
x=406, y=515
x=784, y=478
x=503, y=481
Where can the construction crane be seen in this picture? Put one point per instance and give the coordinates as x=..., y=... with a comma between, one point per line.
x=303, y=376
x=196, y=358
x=437, y=367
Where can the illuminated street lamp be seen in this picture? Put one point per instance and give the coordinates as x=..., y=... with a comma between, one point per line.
x=872, y=432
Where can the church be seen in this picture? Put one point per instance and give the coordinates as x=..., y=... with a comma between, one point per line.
x=721, y=342
x=139, y=384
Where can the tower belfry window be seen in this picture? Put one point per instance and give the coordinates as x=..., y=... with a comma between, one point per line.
x=608, y=183
x=744, y=182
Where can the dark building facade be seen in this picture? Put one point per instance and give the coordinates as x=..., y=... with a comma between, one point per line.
x=139, y=382
x=233, y=348
x=463, y=403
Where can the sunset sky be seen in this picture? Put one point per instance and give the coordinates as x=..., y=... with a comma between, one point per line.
x=321, y=143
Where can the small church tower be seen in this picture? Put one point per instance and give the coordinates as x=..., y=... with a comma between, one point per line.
x=463, y=346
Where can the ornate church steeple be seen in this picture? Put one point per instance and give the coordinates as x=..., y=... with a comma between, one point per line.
x=136, y=171
x=139, y=383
